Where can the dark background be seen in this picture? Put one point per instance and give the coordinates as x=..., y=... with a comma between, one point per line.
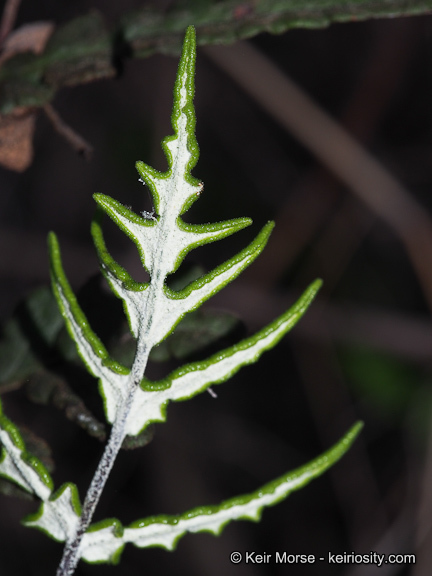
x=363, y=353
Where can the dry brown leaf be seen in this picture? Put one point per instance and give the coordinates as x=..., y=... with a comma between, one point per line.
x=16, y=139
x=28, y=38
x=17, y=128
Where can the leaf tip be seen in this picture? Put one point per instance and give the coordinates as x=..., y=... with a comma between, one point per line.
x=99, y=199
x=184, y=88
x=52, y=240
x=317, y=284
x=54, y=253
x=355, y=430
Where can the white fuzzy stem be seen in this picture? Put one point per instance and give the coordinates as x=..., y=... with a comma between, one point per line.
x=71, y=554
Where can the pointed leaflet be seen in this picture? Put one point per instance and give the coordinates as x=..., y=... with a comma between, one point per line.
x=16, y=465
x=59, y=513
x=112, y=375
x=104, y=542
x=152, y=398
x=145, y=234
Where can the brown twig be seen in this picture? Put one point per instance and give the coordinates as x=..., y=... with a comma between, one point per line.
x=406, y=336
x=73, y=138
x=333, y=412
x=364, y=175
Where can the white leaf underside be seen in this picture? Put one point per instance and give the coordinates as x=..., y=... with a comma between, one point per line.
x=57, y=515
x=103, y=544
x=16, y=469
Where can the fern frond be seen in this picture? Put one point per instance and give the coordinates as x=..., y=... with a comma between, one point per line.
x=153, y=309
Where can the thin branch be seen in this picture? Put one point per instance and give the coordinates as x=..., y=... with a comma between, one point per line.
x=9, y=16
x=407, y=336
x=72, y=138
x=363, y=174
x=332, y=407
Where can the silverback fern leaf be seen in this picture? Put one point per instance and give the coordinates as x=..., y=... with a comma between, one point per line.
x=153, y=309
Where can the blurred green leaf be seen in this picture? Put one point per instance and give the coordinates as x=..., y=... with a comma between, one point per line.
x=384, y=382
x=148, y=30
x=83, y=49
x=78, y=52
x=28, y=336
x=47, y=388
x=27, y=352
